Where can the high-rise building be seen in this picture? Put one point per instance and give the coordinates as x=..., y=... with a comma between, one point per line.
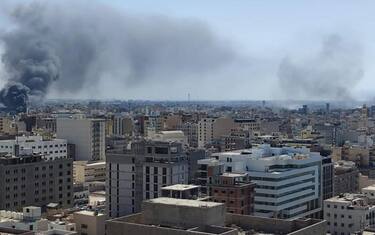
x=288, y=180
x=141, y=173
x=31, y=180
x=213, y=128
x=85, y=172
x=88, y=136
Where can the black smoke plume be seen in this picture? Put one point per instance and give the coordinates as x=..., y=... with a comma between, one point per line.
x=330, y=74
x=72, y=46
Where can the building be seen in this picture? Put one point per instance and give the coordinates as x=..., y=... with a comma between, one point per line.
x=27, y=180
x=84, y=171
x=346, y=178
x=189, y=217
x=327, y=177
x=288, y=180
x=122, y=126
x=141, y=173
x=89, y=222
x=181, y=191
x=213, y=128
x=49, y=148
x=348, y=213
x=236, y=191
x=208, y=173
x=30, y=219
x=88, y=136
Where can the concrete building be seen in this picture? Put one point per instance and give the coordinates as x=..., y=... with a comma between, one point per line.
x=181, y=191
x=288, y=180
x=189, y=217
x=30, y=219
x=348, y=213
x=141, y=173
x=88, y=136
x=28, y=180
x=236, y=191
x=84, y=171
x=212, y=128
x=327, y=177
x=173, y=136
x=89, y=222
x=346, y=178
x=208, y=174
x=122, y=126
x=49, y=148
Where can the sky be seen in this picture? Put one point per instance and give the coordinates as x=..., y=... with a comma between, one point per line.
x=280, y=49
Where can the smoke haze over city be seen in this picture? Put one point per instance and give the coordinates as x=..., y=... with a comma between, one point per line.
x=112, y=49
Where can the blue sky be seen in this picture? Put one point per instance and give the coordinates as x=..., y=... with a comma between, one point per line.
x=268, y=30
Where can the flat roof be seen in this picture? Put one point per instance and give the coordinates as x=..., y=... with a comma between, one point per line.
x=183, y=202
x=181, y=187
x=86, y=212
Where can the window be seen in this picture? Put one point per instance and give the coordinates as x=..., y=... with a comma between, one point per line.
x=84, y=226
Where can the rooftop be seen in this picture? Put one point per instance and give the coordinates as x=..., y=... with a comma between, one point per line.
x=180, y=187
x=183, y=202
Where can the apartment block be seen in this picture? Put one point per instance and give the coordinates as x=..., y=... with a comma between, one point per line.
x=213, y=128
x=85, y=172
x=88, y=136
x=27, y=180
x=49, y=148
x=141, y=173
x=348, y=213
x=236, y=191
x=346, y=178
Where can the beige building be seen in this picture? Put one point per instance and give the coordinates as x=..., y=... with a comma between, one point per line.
x=89, y=223
x=84, y=171
x=172, y=216
x=88, y=136
x=349, y=213
x=213, y=128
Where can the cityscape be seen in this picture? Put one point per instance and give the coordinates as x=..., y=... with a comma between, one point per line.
x=165, y=118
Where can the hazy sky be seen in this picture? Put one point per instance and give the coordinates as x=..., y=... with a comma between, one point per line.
x=263, y=35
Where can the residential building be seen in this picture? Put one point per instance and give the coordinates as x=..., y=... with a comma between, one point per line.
x=208, y=173
x=141, y=173
x=348, y=213
x=89, y=222
x=346, y=178
x=27, y=180
x=236, y=191
x=84, y=171
x=88, y=136
x=327, y=177
x=212, y=128
x=49, y=148
x=288, y=180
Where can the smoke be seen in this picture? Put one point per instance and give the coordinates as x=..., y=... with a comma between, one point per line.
x=73, y=46
x=330, y=74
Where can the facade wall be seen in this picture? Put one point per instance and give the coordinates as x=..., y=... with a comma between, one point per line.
x=36, y=184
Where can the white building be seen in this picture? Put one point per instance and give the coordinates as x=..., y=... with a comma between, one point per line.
x=88, y=136
x=348, y=213
x=30, y=219
x=50, y=148
x=288, y=180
